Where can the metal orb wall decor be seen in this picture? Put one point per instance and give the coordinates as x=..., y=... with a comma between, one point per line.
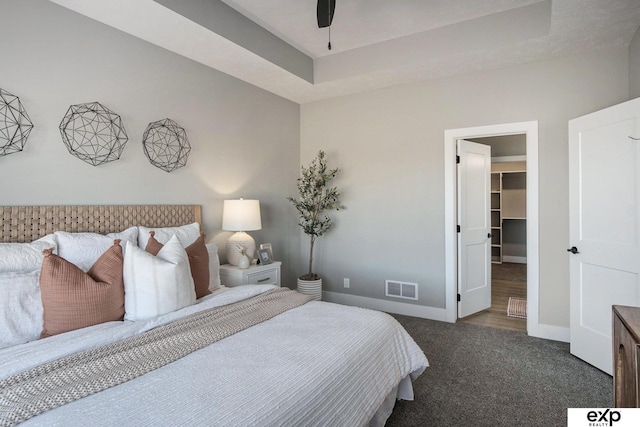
x=15, y=124
x=93, y=133
x=166, y=145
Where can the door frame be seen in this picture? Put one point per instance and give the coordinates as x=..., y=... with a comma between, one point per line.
x=530, y=130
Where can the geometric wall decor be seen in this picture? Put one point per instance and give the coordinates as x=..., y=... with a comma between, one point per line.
x=166, y=145
x=15, y=124
x=93, y=133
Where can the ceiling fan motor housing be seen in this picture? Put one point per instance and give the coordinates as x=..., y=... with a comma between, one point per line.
x=324, y=12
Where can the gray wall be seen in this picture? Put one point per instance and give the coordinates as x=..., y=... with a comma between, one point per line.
x=389, y=145
x=245, y=141
x=634, y=66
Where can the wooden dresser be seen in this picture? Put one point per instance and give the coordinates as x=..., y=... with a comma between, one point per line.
x=626, y=356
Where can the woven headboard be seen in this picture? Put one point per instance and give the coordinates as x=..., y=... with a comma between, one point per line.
x=28, y=223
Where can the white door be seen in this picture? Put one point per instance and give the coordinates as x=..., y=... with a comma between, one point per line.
x=604, y=191
x=474, y=219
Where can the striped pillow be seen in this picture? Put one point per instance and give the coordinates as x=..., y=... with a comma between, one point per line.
x=155, y=285
x=73, y=299
x=198, y=261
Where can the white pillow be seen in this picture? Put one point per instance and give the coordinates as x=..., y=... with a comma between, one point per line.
x=20, y=308
x=186, y=233
x=84, y=249
x=155, y=285
x=214, y=266
x=24, y=257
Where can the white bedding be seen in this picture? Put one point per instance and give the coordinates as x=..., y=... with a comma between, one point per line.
x=318, y=364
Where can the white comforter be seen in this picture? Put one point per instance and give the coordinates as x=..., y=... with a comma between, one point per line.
x=318, y=364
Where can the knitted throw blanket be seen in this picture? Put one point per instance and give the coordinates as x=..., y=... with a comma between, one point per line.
x=53, y=384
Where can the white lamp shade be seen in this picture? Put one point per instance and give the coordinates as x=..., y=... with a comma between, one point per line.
x=241, y=215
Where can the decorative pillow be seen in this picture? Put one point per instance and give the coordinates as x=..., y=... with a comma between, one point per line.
x=73, y=299
x=20, y=308
x=83, y=249
x=186, y=233
x=198, y=261
x=156, y=285
x=214, y=267
x=24, y=257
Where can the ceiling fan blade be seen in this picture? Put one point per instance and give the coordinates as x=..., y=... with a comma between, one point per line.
x=324, y=12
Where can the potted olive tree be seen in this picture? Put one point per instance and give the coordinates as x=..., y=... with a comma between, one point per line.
x=315, y=198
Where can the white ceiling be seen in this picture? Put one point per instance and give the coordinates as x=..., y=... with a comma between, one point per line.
x=376, y=43
x=359, y=23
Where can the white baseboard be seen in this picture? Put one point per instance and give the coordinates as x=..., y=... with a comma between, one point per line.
x=514, y=259
x=549, y=332
x=405, y=309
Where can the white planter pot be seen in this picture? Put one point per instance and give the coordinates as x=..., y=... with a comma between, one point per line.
x=311, y=287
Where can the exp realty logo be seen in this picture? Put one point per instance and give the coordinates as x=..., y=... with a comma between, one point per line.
x=603, y=417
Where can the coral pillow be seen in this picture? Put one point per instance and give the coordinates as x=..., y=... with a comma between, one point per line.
x=73, y=299
x=198, y=261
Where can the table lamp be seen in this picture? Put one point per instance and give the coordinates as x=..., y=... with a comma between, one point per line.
x=241, y=216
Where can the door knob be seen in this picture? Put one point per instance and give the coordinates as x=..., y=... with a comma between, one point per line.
x=489, y=235
x=573, y=250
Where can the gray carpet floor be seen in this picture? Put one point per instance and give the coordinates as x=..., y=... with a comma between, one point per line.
x=482, y=376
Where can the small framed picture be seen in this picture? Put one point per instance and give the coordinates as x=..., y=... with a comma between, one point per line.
x=264, y=255
x=267, y=246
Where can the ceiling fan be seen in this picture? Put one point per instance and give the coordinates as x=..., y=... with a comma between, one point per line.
x=324, y=12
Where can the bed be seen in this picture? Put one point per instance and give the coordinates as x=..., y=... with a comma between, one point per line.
x=253, y=355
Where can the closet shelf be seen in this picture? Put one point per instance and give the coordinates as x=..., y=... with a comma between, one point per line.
x=508, y=203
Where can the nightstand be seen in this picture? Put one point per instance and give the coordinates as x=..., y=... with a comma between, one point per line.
x=256, y=274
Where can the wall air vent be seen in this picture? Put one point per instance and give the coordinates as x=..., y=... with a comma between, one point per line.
x=397, y=289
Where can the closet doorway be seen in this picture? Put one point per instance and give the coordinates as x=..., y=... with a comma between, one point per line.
x=529, y=130
x=508, y=234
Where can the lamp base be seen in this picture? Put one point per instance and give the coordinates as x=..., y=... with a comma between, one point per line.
x=237, y=240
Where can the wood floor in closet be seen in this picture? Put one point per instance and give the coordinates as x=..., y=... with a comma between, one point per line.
x=509, y=280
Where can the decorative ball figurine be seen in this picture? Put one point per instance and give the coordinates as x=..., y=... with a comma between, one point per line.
x=93, y=133
x=15, y=124
x=166, y=145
